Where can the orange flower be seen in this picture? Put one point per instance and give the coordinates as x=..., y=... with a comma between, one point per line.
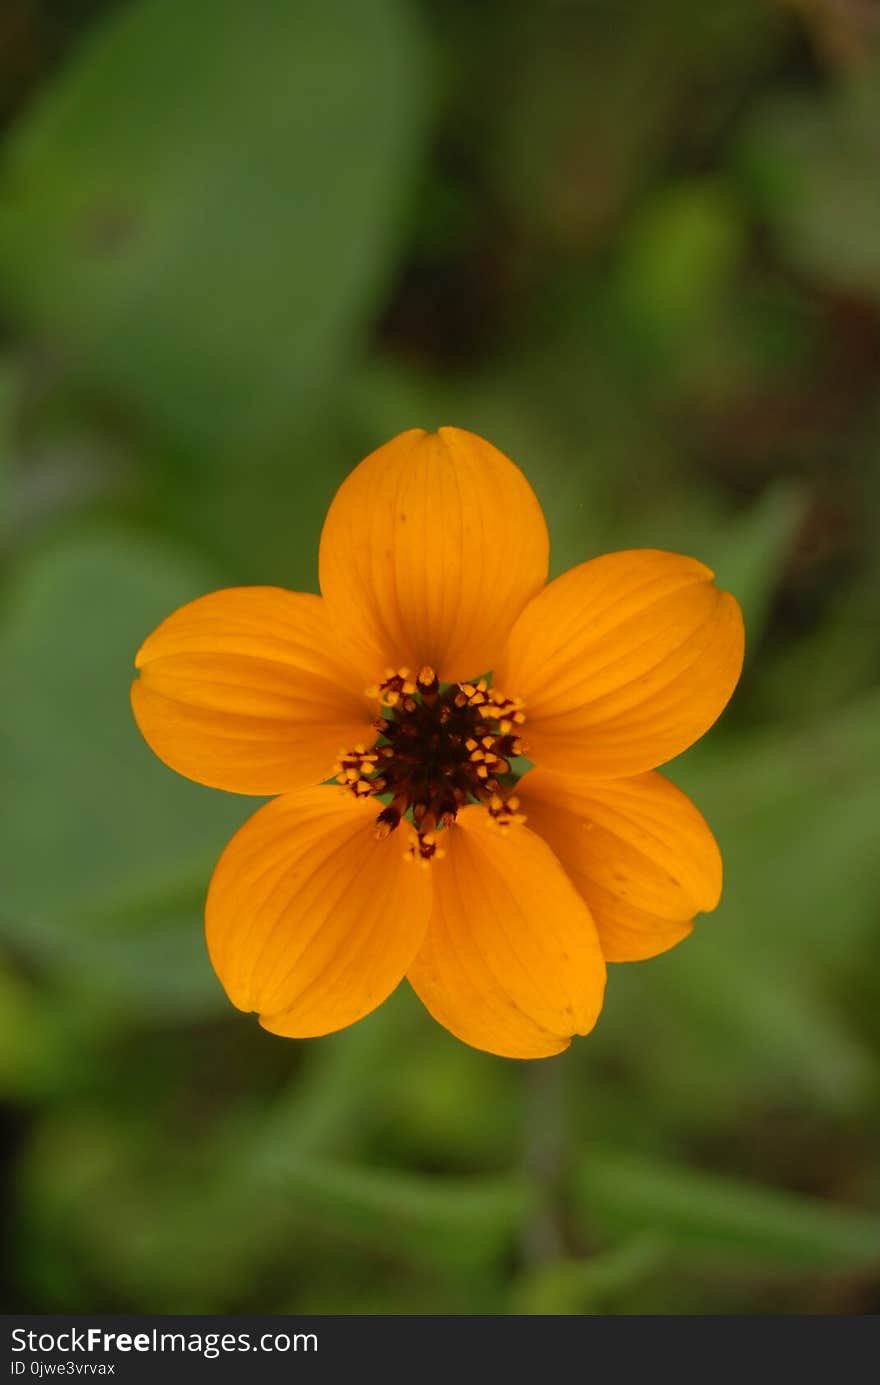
x=390, y=715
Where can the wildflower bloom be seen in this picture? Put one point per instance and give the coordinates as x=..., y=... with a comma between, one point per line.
x=393, y=716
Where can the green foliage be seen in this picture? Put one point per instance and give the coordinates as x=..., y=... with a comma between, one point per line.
x=70, y=732
x=812, y=164
x=7, y=398
x=640, y=253
x=750, y=555
x=716, y=1218
x=105, y=858
x=676, y=273
x=593, y=1285
x=210, y=249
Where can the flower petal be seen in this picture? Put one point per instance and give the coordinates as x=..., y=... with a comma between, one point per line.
x=430, y=550
x=511, y=962
x=311, y=920
x=247, y=690
x=623, y=662
x=638, y=850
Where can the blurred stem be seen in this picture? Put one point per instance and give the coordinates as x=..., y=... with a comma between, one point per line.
x=545, y=1111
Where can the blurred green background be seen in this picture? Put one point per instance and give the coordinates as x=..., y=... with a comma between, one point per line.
x=638, y=247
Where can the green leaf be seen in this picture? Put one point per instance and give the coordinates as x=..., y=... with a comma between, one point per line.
x=331, y=1099
x=830, y=664
x=753, y=552
x=573, y=1287
x=677, y=265
x=722, y=1219
x=751, y=1003
x=201, y=209
x=103, y=1203
x=7, y=404
x=465, y=1221
x=103, y=838
x=811, y=163
x=727, y=1017
x=795, y=815
x=155, y=1227
x=149, y=962
x=49, y=1041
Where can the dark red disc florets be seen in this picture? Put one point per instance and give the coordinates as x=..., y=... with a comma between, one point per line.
x=438, y=749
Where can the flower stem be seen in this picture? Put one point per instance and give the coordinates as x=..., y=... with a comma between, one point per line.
x=543, y=1158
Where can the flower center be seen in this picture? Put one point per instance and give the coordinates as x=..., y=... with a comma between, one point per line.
x=438, y=749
